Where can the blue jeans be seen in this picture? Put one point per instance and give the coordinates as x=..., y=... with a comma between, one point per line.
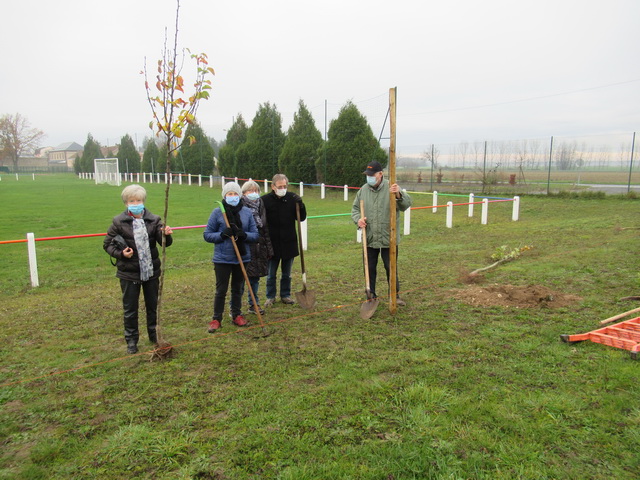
x=285, y=277
x=255, y=285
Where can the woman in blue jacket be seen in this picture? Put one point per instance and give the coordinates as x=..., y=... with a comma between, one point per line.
x=225, y=261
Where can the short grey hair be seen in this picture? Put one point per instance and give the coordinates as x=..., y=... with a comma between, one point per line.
x=133, y=192
x=250, y=185
x=279, y=176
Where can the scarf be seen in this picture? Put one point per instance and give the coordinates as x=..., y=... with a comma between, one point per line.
x=233, y=215
x=254, y=206
x=141, y=238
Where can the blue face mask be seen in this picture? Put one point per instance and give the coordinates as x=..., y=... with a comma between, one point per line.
x=136, y=209
x=232, y=200
x=253, y=196
x=372, y=180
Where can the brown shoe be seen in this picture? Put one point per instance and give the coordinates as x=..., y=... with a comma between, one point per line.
x=288, y=300
x=400, y=302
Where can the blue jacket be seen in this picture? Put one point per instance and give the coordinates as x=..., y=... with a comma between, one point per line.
x=223, y=251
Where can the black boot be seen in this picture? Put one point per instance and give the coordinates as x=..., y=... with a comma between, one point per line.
x=132, y=346
x=153, y=336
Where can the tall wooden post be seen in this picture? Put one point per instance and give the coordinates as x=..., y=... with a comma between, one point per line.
x=393, y=305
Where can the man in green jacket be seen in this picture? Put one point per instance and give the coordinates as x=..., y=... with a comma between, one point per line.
x=375, y=194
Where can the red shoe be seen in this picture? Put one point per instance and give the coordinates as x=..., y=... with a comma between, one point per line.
x=214, y=325
x=240, y=321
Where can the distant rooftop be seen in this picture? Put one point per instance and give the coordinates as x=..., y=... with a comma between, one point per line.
x=68, y=147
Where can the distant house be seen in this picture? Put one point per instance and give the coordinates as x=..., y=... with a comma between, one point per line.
x=110, y=152
x=65, y=154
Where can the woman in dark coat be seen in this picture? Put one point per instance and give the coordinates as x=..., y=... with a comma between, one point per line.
x=138, y=261
x=261, y=251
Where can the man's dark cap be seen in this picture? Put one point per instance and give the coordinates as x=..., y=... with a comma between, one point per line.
x=373, y=168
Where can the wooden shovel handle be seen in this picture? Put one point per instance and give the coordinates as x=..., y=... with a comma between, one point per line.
x=364, y=250
x=620, y=315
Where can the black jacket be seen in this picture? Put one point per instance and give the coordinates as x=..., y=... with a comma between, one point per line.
x=281, y=218
x=129, y=268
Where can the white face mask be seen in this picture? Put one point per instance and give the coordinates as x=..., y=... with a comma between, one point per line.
x=281, y=192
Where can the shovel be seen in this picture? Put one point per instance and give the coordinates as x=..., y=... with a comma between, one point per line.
x=306, y=298
x=368, y=308
x=244, y=272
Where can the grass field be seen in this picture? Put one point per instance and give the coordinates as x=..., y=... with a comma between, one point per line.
x=443, y=389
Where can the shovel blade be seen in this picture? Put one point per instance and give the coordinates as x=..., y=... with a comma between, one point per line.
x=306, y=299
x=368, y=308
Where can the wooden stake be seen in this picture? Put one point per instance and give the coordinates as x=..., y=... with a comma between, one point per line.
x=619, y=316
x=393, y=268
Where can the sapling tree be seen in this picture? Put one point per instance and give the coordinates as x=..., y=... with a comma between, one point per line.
x=173, y=109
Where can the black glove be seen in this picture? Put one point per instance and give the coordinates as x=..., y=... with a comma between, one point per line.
x=239, y=233
x=227, y=232
x=296, y=198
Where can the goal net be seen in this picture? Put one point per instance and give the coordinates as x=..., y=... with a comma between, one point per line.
x=107, y=171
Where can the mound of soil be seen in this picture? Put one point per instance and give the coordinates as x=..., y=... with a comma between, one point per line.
x=514, y=296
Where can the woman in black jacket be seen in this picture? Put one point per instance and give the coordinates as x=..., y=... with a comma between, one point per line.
x=137, y=260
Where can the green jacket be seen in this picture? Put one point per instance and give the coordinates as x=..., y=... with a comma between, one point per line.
x=376, y=209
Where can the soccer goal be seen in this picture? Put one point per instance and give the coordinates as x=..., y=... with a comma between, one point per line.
x=107, y=171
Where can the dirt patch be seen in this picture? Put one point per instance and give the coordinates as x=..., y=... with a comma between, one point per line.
x=529, y=296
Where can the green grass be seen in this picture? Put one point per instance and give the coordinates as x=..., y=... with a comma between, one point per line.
x=441, y=390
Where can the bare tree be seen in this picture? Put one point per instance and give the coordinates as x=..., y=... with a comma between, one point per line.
x=17, y=137
x=431, y=157
x=463, y=148
x=566, y=156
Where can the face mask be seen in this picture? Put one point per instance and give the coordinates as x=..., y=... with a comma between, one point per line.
x=281, y=192
x=232, y=200
x=136, y=209
x=253, y=196
x=372, y=180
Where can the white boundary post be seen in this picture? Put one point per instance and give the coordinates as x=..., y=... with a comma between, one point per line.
x=322, y=191
x=449, y=214
x=200, y=180
x=33, y=262
x=485, y=211
x=33, y=175
x=210, y=181
x=346, y=193
x=180, y=179
x=407, y=221
x=471, y=200
x=435, y=201
x=301, y=189
x=189, y=179
x=222, y=180
x=158, y=177
x=235, y=179
x=303, y=231
x=515, y=216
x=138, y=177
x=266, y=186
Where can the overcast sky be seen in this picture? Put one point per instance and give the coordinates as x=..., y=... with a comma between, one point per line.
x=464, y=70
